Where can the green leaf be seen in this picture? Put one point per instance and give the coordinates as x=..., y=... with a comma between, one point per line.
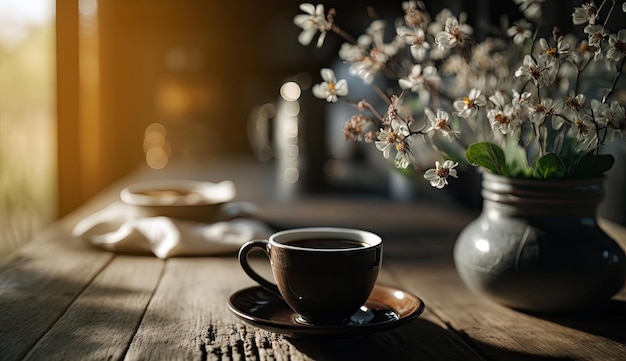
x=550, y=166
x=488, y=156
x=516, y=160
x=593, y=165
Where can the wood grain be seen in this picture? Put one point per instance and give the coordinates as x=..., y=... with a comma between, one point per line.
x=37, y=285
x=62, y=299
x=187, y=319
x=501, y=333
x=102, y=320
x=189, y=311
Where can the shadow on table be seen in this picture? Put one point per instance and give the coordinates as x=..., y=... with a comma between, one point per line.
x=42, y=309
x=606, y=320
x=419, y=340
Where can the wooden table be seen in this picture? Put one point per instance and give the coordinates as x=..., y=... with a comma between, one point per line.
x=62, y=299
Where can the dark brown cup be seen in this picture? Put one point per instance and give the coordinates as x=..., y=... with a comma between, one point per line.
x=324, y=274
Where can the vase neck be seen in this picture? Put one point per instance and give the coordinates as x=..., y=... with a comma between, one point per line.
x=579, y=197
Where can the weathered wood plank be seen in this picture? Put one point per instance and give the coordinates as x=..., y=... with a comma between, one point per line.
x=102, y=321
x=60, y=293
x=187, y=319
x=38, y=283
x=501, y=333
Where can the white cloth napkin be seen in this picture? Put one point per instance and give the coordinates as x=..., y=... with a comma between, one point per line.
x=123, y=228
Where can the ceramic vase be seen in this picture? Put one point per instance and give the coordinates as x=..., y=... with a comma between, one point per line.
x=536, y=246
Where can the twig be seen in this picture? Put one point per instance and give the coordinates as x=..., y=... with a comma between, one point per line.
x=617, y=76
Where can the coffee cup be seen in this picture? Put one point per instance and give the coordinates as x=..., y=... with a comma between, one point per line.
x=324, y=274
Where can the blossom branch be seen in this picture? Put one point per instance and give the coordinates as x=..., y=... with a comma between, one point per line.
x=620, y=69
x=447, y=70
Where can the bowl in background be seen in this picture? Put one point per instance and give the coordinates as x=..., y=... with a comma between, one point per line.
x=179, y=198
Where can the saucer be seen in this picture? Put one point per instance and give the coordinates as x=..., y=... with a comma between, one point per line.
x=386, y=308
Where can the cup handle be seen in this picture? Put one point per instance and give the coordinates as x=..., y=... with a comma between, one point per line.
x=243, y=260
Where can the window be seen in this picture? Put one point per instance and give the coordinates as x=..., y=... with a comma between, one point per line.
x=27, y=133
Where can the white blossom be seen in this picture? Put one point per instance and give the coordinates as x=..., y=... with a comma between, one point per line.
x=583, y=53
x=365, y=69
x=421, y=81
x=404, y=157
x=530, y=8
x=520, y=101
x=574, y=105
x=454, y=33
x=330, y=88
x=540, y=72
x=544, y=109
x=444, y=74
x=596, y=34
x=551, y=53
x=387, y=140
x=468, y=106
x=520, y=31
x=394, y=134
x=614, y=118
x=416, y=38
x=370, y=55
x=440, y=21
x=438, y=177
x=313, y=21
x=396, y=137
x=585, y=131
x=503, y=120
x=497, y=100
x=617, y=45
x=586, y=13
x=439, y=123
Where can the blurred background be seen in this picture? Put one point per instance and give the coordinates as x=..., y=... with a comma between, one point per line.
x=90, y=90
x=27, y=120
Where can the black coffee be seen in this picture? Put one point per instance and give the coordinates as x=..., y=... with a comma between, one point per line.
x=327, y=243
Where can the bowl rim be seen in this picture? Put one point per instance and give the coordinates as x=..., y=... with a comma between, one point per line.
x=213, y=193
